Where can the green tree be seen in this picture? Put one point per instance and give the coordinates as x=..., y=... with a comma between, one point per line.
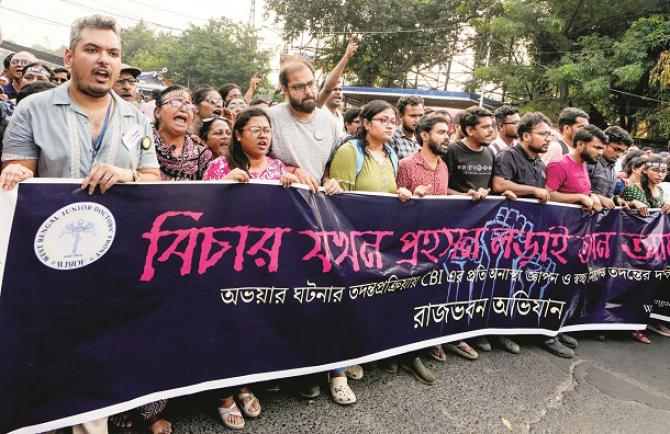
x=218, y=52
x=407, y=34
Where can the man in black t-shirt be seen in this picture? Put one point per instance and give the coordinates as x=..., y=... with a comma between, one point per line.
x=470, y=161
x=520, y=168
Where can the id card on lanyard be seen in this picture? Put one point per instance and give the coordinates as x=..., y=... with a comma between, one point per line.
x=73, y=136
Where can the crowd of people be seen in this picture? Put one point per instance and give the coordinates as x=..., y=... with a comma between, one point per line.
x=85, y=122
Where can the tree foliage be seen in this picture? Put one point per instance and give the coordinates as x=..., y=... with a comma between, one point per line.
x=218, y=52
x=409, y=34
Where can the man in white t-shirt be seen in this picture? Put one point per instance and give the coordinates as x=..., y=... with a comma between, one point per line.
x=303, y=135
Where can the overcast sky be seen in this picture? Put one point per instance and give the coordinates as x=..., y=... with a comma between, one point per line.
x=47, y=22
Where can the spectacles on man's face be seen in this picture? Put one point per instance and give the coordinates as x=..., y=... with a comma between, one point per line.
x=385, y=121
x=659, y=171
x=301, y=87
x=19, y=62
x=180, y=104
x=256, y=131
x=123, y=81
x=544, y=134
x=215, y=101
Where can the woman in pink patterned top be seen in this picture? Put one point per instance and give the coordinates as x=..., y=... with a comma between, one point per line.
x=249, y=148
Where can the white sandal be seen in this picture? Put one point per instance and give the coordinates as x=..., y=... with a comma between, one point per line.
x=246, y=407
x=340, y=390
x=355, y=372
x=231, y=411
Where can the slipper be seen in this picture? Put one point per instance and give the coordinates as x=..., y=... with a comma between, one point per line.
x=355, y=372
x=231, y=411
x=246, y=408
x=641, y=337
x=660, y=329
x=340, y=390
x=437, y=353
x=464, y=350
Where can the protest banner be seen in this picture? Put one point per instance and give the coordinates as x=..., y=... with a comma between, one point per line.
x=160, y=290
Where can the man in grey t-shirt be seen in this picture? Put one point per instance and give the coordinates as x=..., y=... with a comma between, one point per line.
x=303, y=136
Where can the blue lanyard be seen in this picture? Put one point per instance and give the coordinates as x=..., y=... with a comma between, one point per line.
x=98, y=142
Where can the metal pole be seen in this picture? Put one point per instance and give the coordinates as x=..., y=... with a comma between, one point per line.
x=488, y=59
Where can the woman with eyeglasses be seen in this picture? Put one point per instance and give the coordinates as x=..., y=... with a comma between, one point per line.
x=180, y=158
x=248, y=159
x=208, y=105
x=249, y=149
x=379, y=162
x=236, y=105
x=643, y=195
x=366, y=163
x=215, y=134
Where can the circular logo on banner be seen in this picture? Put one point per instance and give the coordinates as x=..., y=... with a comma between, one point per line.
x=75, y=236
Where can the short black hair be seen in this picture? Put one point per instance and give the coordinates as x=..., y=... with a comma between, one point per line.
x=351, y=114
x=61, y=69
x=8, y=60
x=617, y=134
x=503, y=111
x=530, y=121
x=470, y=117
x=36, y=87
x=427, y=122
x=404, y=101
x=569, y=115
x=588, y=133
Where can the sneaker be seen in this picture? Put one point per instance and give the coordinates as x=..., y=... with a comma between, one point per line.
x=482, y=343
x=568, y=340
x=508, y=344
x=389, y=365
x=309, y=391
x=415, y=366
x=558, y=349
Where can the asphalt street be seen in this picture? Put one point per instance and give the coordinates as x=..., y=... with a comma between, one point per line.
x=612, y=386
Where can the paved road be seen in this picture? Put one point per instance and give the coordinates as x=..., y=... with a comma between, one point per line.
x=615, y=386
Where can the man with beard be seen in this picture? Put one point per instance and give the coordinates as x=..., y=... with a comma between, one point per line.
x=16, y=65
x=303, y=135
x=81, y=129
x=507, y=119
x=410, y=108
x=568, y=179
x=470, y=161
x=424, y=172
x=520, y=168
x=126, y=85
x=570, y=120
x=602, y=173
x=108, y=135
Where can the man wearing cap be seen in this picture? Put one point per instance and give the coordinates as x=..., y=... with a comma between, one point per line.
x=126, y=85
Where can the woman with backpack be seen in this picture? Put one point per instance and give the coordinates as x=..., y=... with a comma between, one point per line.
x=367, y=163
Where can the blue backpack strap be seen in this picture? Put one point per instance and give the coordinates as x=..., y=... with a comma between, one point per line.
x=360, y=156
x=394, y=158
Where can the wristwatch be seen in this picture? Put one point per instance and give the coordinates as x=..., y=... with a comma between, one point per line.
x=136, y=176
